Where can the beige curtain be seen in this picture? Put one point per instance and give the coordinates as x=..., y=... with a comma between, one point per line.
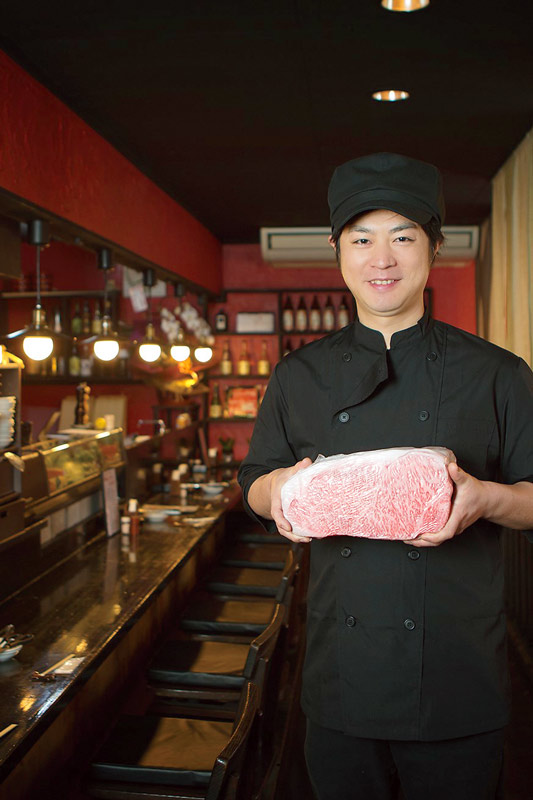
x=505, y=275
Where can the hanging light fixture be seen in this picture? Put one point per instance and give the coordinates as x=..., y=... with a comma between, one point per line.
x=179, y=349
x=404, y=5
x=391, y=95
x=149, y=348
x=203, y=352
x=106, y=344
x=37, y=338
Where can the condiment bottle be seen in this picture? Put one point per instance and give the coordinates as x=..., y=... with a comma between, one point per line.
x=135, y=519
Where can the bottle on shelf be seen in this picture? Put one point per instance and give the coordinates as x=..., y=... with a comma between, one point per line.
x=96, y=324
x=215, y=407
x=74, y=362
x=57, y=324
x=263, y=364
x=86, y=318
x=86, y=361
x=315, y=317
x=328, y=317
x=343, y=315
x=301, y=315
x=75, y=322
x=244, y=366
x=221, y=321
x=226, y=364
x=288, y=316
x=288, y=347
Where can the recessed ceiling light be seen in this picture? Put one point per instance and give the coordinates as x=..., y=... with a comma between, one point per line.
x=390, y=95
x=404, y=5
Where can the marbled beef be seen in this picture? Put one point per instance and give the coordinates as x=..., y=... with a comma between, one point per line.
x=396, y=493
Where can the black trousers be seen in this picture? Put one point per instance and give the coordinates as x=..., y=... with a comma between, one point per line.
x=349, y=768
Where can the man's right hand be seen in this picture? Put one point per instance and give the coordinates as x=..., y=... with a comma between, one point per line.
x=264, y=497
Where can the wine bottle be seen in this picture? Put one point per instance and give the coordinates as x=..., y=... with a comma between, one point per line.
x=74, y=365
x=315, y=317
x=215, y=408
x=343, y=315
x=328, y=318
x=288, y=316
x=263, y=364
x=75, y=323
x=86, y=318
x=96, y=325
x=221, y=321
x=244, y=366
x=226, y=364
x=57, y=324
x=301, y=316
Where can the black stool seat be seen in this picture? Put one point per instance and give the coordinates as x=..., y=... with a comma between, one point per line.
x=199, y=663
x=163, y=750
x=244, y=580
x=260, y=536
x=210, y=613
x=246, y=554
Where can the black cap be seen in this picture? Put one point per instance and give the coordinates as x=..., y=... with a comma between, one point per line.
x=407, y=186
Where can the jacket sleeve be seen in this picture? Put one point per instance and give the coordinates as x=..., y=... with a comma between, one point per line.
x=269, y=446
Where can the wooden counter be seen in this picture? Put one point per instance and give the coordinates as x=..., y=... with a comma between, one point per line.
x=106, y=606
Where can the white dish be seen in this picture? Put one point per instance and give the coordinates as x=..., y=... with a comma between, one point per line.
x=10, y=652
x=155, y=516
x=212, y=489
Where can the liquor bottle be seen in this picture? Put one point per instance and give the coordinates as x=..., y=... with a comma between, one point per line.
x=244, y=366
x=75, y=323
x=221, y=321
x=328, y=318
x=315, y=317
x=86, y=318
x=57, y=323
x=288, y=348
x=74, y=365
x=263, y=364
x=301, y=316
x=288, y=316
x=86, y=361
x=226, y=364
x=343, y=315
x=215, y=408
x=96, y=324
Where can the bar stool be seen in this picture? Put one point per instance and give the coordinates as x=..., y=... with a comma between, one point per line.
x=260, y=556
x=205, y=677
x=252, y=581
x=173, y=757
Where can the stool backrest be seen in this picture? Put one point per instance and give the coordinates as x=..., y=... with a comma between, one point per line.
x=287, y=576
x=234, y=772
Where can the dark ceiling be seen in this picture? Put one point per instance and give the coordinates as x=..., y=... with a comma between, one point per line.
x=241, y=110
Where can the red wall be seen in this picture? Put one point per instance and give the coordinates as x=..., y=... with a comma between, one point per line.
x=50, y=157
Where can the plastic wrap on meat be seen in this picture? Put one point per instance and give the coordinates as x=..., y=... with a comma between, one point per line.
x=397, y=493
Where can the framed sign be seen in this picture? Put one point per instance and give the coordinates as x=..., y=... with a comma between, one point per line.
x=110, y=492
x=255, y=322
x=241, y=401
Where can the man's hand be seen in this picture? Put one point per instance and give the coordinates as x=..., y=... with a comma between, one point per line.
x=468, y=505
x=264, y=497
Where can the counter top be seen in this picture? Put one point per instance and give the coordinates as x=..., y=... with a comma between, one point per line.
x=82, y=607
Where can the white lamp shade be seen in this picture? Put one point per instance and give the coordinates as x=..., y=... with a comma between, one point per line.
x=180, y=352
x=149, y=351
x=106, y=349
x=203, y=354
x=38, y=347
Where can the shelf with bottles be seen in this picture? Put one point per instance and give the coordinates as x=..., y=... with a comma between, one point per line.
x=77, y=312
x=242, y=357
x=303, y=314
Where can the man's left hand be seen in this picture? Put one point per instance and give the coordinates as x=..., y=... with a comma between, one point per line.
x=468, y=505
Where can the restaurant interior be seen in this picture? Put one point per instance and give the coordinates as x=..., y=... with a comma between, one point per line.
x=163, y=244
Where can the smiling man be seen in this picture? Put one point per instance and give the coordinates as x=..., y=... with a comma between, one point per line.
x=405, y=677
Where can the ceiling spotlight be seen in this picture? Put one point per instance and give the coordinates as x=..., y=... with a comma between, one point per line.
x=390, y=95
x=404, y=5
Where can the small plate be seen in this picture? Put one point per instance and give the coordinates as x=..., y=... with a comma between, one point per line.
x=155, y=516
x=10, y=652
x=212, y=489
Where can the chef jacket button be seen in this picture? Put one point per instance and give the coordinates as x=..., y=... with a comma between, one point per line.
x=431, y=356
x=409, y=624
x=413, y=555
x=346, y=552
x=423, y=415
x=344, y=416
x=350, y=621
x=346, y=356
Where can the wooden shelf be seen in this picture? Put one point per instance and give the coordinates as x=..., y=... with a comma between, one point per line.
x=58, y=380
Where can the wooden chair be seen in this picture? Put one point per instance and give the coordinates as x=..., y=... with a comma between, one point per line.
x=184, y=759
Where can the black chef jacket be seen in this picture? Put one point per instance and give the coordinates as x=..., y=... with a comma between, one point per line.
x=403, y=643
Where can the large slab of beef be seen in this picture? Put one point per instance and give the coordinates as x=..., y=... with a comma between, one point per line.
x=396, y=493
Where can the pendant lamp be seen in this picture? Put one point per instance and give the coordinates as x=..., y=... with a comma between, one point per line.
x=149, y=348
x=37, y=338
x=179, y=349
x=106, y=345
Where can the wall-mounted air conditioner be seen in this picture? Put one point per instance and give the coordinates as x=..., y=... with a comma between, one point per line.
x=293, y=247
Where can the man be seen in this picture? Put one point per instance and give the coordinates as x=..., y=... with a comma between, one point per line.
x=405, y=676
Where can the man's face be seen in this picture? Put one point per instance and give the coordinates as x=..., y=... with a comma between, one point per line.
x=385, y=262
